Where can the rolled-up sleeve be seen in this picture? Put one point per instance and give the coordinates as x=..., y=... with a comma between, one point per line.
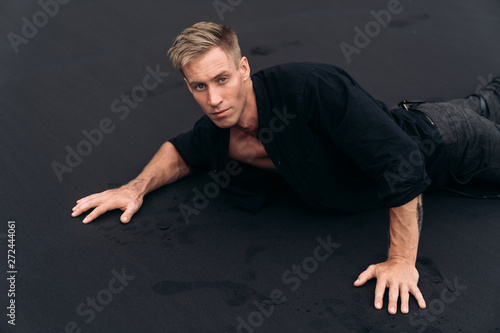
x=193, y=145
x=361, y=127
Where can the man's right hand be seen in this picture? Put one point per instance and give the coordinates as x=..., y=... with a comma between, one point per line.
x=125, y=198
x=166, y=167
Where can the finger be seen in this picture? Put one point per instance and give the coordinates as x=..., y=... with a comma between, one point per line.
x=91, y=198
x=98, y=211
x=78, y=209
x=78, y=206
x=88, y=198
x=418, y=296
x=403, y=292
x=86, y=203
x=82, y=207
x=80, y=203
x=379, y=292
x=75, y=212
x=393, y=297
x=129, y=212
x=368, y=274
x=81, y=199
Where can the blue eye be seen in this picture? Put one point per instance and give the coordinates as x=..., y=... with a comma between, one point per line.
x=223, y=79
x=200, y=86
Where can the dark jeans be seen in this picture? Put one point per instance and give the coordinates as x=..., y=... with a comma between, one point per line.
x=471, y=137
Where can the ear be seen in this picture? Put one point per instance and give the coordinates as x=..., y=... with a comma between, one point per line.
x=187, y=83
x=245, y=68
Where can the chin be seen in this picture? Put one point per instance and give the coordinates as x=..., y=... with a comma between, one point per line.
x=224, y=123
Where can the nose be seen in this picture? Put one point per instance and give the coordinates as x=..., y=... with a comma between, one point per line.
x=214, y=98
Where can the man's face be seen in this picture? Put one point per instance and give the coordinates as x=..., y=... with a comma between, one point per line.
x=218, y=86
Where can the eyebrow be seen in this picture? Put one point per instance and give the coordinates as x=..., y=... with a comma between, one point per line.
x=223, y=73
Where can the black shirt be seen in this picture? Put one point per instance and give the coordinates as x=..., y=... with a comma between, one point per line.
x=334, y=144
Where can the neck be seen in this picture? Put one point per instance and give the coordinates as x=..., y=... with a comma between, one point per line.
x=249, y=120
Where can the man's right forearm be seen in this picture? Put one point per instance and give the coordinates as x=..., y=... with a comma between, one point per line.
x=166, y=167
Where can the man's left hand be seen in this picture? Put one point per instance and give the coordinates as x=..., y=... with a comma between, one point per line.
x=400, y=276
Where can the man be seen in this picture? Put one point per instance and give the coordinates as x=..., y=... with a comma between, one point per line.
x=334, y=145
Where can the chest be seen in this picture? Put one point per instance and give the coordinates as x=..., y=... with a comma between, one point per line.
x=248, y=149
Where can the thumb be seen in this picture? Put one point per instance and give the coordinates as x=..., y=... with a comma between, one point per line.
x=368, y=274
x=129, y=212
x=125, y=218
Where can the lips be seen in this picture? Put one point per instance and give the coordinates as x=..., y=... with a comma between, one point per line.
x=219, y=113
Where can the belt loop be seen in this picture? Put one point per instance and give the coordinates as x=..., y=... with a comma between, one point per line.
x=408, y=104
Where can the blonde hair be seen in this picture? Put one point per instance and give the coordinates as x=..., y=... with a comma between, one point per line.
x=200, y=38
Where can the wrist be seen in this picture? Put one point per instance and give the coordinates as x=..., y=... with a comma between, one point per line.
x=139, y=186
x=406, y=258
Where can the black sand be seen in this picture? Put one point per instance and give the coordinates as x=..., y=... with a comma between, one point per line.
x=226, y=263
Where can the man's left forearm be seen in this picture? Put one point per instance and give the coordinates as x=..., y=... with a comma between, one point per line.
x=398, y=273
x=404, y=231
